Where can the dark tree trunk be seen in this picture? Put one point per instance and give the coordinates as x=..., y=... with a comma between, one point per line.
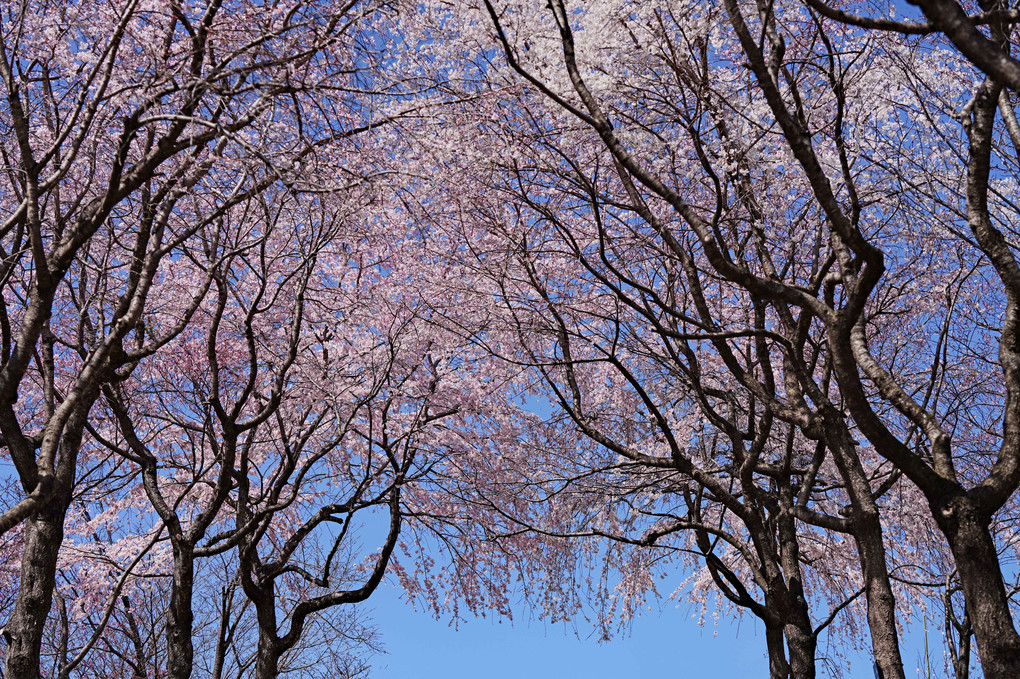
x=802, y=644
x=790, y=639
x=263, y=595
x=800, y=637
x=44, y=534
x=867, y=534
x=885, y=643
x=779, y=668
x=267, y=662
x=984, y=593
x=180, y=649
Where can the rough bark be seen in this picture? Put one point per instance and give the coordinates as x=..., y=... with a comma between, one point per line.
x=44, y=533
x=970, y=539
x=801, y=638
x=180, y=650
x=267, y=662
x=867, y=534
x=779, y=668
x=881, y=602
x=802, y=644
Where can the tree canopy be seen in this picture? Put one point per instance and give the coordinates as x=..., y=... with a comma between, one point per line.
x=512, y=301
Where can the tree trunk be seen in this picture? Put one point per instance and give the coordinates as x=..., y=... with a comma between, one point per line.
x=800, y=637
x=267, y=662
x=790, y=635
x=180, y=650
x=44, y=534
x=977, y=562
x=802, y=644
x=885, y=643
x=867, y=534
x=779, y=668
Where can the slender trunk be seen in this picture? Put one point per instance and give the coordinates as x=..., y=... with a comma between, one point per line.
x=775, y=612
x=180, y=649
x=983, y=590
x=259, y=588
x=867, y=534
x=140, y=665
x=959, y=649
x=885, y=642
x=799, y=632
x=961, y=663
x=224, y=633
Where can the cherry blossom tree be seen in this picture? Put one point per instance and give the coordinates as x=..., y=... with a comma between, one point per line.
x=306, y=413
x=763, y=217
x=601, y=325
x=138, y=138
x=724, y=289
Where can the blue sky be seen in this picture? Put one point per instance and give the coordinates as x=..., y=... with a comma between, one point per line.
x=667, y=644
x=420, y=647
